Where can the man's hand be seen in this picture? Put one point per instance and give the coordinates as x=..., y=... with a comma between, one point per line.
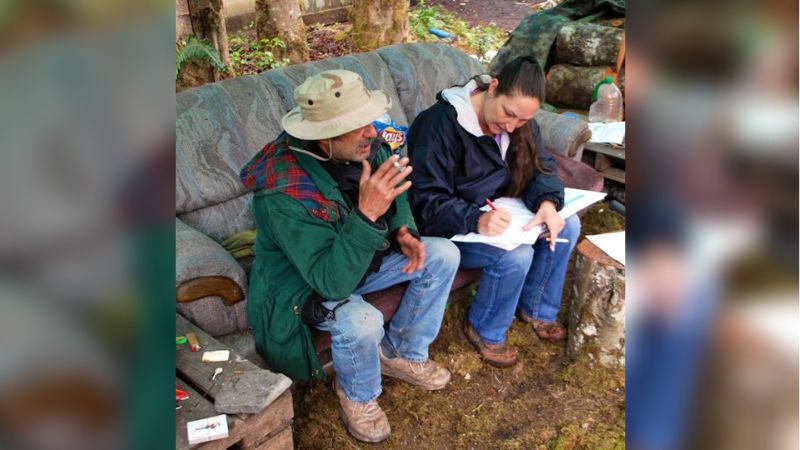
x=492, y=223
x=548, y=216
x=377, y=191
x=412, y=248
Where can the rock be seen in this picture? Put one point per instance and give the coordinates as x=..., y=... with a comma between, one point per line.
x=250, y=392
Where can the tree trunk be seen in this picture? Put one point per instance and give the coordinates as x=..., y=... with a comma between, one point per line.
x=379, y=23
x=572, y=86
x=208, y=22
x=222, y=36
x=597, y=308
x=588, y=44
x=283, y=19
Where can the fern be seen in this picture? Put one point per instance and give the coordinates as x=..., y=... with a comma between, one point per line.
x=197, y=49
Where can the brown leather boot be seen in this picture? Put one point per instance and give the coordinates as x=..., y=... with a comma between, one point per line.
x=552, y=332
x=366, y=421
x=428, y=374
x=498, y=355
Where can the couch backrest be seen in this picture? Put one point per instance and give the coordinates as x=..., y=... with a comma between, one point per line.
x=220, y=126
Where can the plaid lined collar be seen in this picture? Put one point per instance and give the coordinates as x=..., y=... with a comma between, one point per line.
x=276, y=168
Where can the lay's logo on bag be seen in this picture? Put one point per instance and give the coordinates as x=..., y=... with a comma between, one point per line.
x=390, y=131
x=395, y=138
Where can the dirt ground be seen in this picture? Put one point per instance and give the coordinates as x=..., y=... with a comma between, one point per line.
x=506, y=14
x=543, y=402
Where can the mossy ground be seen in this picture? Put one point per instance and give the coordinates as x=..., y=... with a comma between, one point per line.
x=543, y=402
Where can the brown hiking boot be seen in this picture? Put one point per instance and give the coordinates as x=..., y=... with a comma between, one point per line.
x=552, y=332
x=366, y=421
x=428, y=375
x=498, y=355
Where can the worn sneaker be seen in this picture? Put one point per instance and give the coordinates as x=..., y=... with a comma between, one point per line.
x=428, y=374
x=366, y=421
x=552, y=332
x=498, y=355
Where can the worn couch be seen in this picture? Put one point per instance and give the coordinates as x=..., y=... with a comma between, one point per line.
x=220, y=126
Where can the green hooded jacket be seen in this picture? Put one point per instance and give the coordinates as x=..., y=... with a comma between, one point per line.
x=307, y=240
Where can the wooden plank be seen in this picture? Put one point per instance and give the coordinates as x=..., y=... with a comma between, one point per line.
x=249, y=430
x=605, y=149
x=614, y=174
x=263, y=427
x=195, y=408
x=190, y=367
x=601, y=162
x=281, y=441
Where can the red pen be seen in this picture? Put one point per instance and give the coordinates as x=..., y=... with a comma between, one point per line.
x=491, y=205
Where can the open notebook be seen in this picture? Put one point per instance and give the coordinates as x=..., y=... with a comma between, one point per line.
x=574, y=201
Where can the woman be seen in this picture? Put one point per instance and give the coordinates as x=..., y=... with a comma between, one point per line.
x=479, y=142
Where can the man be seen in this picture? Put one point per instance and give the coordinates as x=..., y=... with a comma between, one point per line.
x=333, y=223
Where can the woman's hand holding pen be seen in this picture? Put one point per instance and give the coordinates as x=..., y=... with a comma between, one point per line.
x=553, y=222
x=494, y=222
x=377, y=191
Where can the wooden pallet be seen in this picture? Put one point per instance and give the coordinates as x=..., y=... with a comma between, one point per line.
x=607, y=159
x=269, y=429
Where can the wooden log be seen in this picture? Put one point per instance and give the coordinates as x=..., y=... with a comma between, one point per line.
x=572, y=86
x=588, y=44
x=597, y=308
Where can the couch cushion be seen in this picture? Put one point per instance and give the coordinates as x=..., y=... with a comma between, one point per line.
x=223, y=219
x=219, y=127
x=420, y=71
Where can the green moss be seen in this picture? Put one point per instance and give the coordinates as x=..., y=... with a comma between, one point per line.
x=523, y=407
x=591, y=436
x=600, y=219
x=591, y=379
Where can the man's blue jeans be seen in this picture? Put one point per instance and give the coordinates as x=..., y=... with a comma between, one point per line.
x=530, y=276
x=357, y=329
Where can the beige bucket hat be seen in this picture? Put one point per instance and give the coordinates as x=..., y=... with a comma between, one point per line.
x=331, y=104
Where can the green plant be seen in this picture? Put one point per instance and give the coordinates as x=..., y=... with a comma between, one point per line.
x=194, y=48
x=251, y=55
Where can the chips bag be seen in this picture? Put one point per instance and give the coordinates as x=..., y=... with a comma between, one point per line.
x=392, y=133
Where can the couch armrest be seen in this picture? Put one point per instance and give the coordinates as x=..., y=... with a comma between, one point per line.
x=210, y=283
x=197, y=288
x=563, y=135
x=203, y=268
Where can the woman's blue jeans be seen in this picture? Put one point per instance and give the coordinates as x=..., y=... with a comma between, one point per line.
x=530, y=277
x=357, y=329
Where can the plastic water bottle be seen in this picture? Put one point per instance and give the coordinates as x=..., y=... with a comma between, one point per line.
x=608, y=102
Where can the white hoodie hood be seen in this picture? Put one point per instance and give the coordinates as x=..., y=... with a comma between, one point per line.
x=459, y=97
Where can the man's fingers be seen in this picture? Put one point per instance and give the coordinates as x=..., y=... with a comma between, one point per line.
x=399, y=176
x=365, y=171
x=553, y=237
x=400, y=189
x=387, y=167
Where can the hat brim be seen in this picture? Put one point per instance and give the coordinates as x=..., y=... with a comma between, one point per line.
x=294, y=123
